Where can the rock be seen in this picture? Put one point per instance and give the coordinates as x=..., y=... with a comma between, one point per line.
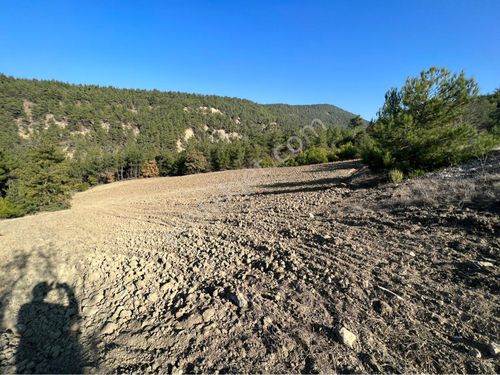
x=238, y=299
x=97, y=299
x=90, y=311
x=486, y=264
x=88, y=370
x=475, y=353
x=167, y=286
x=109, y=328
x=494, y=349
x=311, y=215
x=346, y=337
x=412, y=254
x=208, y=315
x=153, y=297
x=125, y=314
x=193, y=320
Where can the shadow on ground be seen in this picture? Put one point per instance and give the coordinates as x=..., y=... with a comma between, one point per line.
x=39, y=317
x=49, y=340
x=360, y=179
x=337, y=166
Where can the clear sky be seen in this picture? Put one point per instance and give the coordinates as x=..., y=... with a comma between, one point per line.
x=346, y=53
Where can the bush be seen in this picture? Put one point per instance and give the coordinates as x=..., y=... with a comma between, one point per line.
x=92, y=180
x=316, y=155
x=332, y=156
x=80, y=186
x=347, y=151
x=9, y=210
x=395, y=176
x=290, y=163
x=416, y=173
x=267, y=162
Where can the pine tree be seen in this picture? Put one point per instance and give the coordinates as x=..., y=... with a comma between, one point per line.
x=355, y=122
x=193, y=162
x=41, y=181
x=421, y=126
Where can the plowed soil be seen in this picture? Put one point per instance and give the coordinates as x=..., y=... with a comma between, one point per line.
x=254, y=271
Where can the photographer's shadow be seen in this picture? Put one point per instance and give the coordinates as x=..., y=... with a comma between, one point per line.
x=49, y=339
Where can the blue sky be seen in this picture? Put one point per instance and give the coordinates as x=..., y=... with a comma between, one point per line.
x=346, y=53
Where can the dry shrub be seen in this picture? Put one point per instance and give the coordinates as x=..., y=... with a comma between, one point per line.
x=454, y=191
x=150, y=169
x=107, y=177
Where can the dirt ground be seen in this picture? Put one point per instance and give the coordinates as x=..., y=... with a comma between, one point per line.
x=308, y=269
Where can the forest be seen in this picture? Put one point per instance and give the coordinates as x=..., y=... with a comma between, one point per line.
x=58, y=138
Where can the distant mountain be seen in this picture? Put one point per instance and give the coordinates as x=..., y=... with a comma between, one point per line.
x=299, y=115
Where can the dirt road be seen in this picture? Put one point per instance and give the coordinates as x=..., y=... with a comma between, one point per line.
x=307, y=269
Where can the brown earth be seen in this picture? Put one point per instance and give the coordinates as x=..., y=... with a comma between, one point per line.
x=258, y=271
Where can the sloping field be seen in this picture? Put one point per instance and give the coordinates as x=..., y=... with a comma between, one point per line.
x=307, y=269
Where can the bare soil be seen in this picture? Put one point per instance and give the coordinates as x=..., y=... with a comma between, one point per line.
x=257, y=271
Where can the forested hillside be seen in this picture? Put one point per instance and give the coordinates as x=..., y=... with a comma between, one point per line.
x=56, y=138
x=79, y=116
x=299, y=115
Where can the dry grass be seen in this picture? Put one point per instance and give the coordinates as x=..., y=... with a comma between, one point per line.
x=459, y=192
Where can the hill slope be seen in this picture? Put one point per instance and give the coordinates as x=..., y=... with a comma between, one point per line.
x=300, y=115
x=111, y=117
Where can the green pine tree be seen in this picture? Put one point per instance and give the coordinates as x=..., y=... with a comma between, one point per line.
x=41, y=182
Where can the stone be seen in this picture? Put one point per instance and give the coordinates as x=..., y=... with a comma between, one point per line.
x=167, y=286
x=21, y=328
x=280, y=270
x=193, y=320
x=208, y=315
x=94, y=276
x=153, y=297
x=311, y=215
x=125, y=314
x=494, y=349
x=267, y=322
x=109, y=328
x=238, y=299
x=90, y=310
x=486, y=264
x=96, y=299
x=55, y=350
x=346, y=337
